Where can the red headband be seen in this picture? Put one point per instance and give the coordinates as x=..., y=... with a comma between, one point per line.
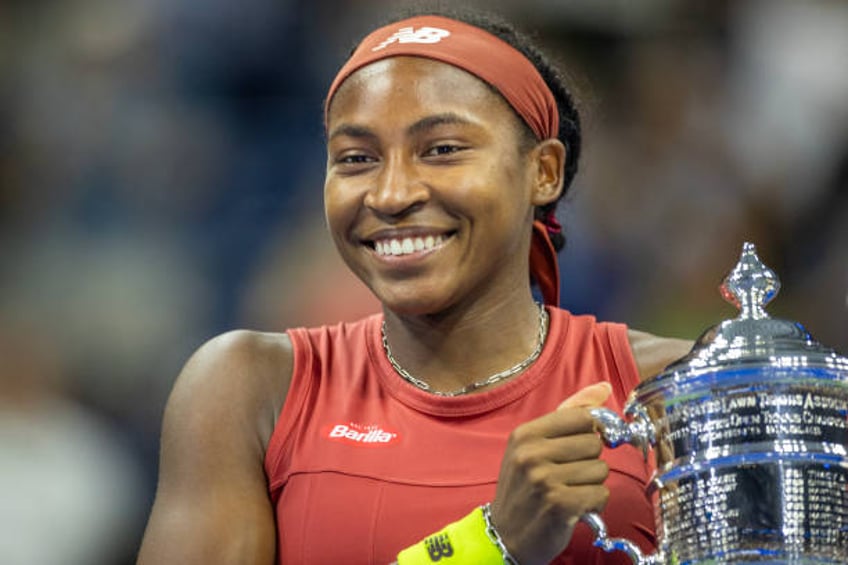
x=494, y=61
x=470, y=49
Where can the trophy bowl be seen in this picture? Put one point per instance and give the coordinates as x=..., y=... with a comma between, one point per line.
x=749, y=434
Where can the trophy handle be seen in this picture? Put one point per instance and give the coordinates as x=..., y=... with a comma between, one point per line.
x=615, y=431
x=608, y=544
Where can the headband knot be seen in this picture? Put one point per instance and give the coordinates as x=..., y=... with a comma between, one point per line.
x=552, y=222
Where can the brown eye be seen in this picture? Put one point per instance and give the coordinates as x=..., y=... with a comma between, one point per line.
x=353, y=163
x=355, y=159
x=443, y=149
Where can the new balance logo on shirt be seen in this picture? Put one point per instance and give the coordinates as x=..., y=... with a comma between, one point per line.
x=359, y=434
x=409, y=35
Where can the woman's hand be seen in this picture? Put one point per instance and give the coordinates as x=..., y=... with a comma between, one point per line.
x=551, y=476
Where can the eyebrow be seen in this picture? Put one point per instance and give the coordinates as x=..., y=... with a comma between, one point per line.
x=351, y=130
x=430, y=122
x=424, y=124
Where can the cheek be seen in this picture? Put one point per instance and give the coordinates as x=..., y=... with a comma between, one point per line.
x=339, y=208
x=494, y=190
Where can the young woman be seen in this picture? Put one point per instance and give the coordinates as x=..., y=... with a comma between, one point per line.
x=449, y=145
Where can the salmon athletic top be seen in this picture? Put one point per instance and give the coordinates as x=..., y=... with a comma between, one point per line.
x=362, y=464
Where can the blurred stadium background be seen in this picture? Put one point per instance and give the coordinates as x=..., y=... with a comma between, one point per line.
x=161, y=167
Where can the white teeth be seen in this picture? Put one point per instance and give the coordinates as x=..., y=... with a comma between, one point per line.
x=407, y=245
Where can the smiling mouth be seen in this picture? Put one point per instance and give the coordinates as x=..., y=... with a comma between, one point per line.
x=398, y=246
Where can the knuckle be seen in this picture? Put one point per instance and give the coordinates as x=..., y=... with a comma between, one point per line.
x=519, y=435
x=525, y=457
x=554, y=500
x=539, y=478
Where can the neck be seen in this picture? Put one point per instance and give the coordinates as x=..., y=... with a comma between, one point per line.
x=456, y=348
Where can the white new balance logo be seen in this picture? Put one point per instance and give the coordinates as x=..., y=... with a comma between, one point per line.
x=410, y=35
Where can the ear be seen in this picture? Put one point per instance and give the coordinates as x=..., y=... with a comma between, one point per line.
x=549, y=162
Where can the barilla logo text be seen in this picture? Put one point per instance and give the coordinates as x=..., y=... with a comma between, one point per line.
x=359, y=434
x=410, y=35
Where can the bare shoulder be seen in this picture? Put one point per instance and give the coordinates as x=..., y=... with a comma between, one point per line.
x=212, y=503
x=238, y=372
x=654, y=353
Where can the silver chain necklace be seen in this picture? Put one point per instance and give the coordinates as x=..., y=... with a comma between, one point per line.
x=497, y=377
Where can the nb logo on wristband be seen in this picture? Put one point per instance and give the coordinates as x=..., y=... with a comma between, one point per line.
x=438, y=546
x=410, y=35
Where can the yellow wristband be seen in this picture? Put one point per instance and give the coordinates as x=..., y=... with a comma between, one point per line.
x=460, y=543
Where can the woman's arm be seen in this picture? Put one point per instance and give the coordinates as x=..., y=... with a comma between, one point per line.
x=653, y=353
x=212, y=504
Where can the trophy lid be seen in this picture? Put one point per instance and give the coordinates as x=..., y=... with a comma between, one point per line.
x=753, y=337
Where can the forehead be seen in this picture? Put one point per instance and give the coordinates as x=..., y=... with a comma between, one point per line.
x=414, y=87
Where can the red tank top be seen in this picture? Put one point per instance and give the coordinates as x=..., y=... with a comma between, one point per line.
x=362, y=464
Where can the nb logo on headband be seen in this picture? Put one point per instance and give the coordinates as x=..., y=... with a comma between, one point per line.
x=410, y=35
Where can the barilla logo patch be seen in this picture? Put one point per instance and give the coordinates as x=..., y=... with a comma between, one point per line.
x=410, y=35
x=360, y=434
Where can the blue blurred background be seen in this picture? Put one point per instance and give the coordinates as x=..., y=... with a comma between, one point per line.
x=161, y=166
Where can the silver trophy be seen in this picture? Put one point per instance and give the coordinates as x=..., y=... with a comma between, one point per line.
x=749, y=432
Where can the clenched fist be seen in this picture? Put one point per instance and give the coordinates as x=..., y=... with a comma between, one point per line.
x=551, y=476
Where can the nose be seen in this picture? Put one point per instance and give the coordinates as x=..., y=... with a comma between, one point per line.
x=397, y=189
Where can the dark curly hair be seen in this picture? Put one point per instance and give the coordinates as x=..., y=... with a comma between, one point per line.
x=569, y=117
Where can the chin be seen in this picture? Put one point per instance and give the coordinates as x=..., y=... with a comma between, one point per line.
x=411, y=302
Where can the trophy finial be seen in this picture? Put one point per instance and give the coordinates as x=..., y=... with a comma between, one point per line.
x=750, y=285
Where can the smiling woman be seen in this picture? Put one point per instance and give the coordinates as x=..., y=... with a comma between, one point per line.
x=449, y=145
x=434, y=153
